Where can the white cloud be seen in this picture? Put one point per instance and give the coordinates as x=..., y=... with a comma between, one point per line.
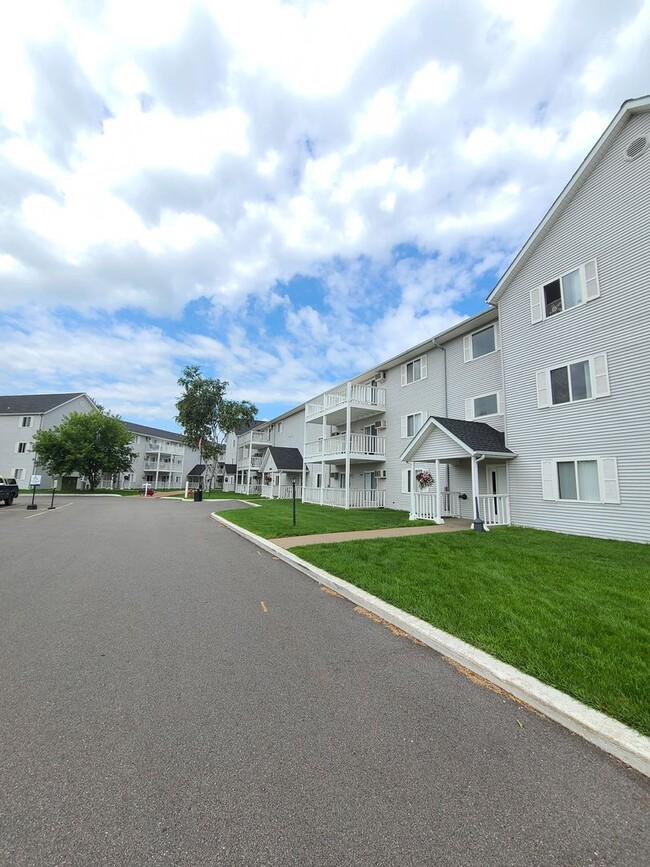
x=156, y=156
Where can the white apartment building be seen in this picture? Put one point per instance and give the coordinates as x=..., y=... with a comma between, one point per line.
x=535, y=411
x=21, y=415
x=162, y=461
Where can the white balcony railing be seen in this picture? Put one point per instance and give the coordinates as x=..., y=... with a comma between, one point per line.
x=356, y=444
x=494, y=508
x=358, y=499
x=369, y=396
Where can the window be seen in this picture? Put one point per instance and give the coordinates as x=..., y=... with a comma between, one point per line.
x=407, y=480
x=21, y=448
x=585, y=480
x=579, y=380
x=415, y=370
x=19, y=473
x=484, y=405
x=480, y=343
x=570, y=290
x=26, y=421
x=280, y=426
x=411, y=424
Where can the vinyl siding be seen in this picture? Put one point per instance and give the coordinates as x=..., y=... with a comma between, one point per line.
x=467, y=380
x=425, y=396
x=607, y=220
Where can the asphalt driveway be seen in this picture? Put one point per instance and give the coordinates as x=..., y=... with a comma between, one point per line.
x=174, y=696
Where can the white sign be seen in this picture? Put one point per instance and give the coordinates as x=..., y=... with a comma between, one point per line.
x=35, y=482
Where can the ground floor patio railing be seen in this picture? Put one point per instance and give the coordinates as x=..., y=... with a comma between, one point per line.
x=358, y=498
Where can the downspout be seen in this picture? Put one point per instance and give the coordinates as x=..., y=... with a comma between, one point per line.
x=444, y=391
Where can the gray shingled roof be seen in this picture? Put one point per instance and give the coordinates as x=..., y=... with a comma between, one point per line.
x=197, y=470
x=230, y=468
x=286, y=459
x=152, y=431
x=246, y=427
x=477, y=435
x=21, y=404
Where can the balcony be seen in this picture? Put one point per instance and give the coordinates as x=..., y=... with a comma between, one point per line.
x=162, y=449
x=362, y=401
x=358, y=447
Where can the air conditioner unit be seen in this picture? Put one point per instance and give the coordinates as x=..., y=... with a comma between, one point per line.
x=381, y=424
x=334, y=475
x=380, y=376
x=380, y=474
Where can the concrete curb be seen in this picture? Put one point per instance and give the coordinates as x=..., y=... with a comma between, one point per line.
x=608, y=734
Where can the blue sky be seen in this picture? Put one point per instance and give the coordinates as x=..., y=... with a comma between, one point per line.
x=284, y=193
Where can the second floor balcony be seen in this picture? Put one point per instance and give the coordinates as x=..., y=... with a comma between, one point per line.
x=358, y=447
x=361, y=400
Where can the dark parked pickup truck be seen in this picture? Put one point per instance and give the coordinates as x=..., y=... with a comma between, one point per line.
x=8, y=490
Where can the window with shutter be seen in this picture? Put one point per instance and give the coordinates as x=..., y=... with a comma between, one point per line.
x=571, y=289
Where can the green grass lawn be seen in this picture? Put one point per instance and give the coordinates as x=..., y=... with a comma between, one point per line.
x=274, y=519
x=573, y=612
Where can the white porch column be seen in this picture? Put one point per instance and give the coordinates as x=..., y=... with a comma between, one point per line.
x=250, y=462
x=348, y=445
x=477, y=523
x=439, y=518
x=322, y=461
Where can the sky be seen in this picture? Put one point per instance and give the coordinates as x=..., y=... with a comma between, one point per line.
x=282, y=193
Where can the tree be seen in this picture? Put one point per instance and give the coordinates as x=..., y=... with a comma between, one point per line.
x=207, y=417
x=88, y=443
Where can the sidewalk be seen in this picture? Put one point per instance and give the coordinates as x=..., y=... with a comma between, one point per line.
x=451, y=525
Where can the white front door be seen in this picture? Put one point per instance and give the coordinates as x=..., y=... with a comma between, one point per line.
x=369, y=482
x=497, y=483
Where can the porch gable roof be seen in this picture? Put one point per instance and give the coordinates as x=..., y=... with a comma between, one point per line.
x=287, y=459
x=473, y=437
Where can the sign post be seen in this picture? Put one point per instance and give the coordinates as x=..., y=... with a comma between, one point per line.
x=52, y=506
x=293, y=497
x=34, y=483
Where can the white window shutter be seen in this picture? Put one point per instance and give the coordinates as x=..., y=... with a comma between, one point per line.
x=536, y=309
x=543, y=389
x=469, y=409
x=405, y=481
x=467, y=347
x=500, y=402
x=403, y=374
x=423, y=367
x=608, y=473
x=592, y=286
x=600, y=375
x=548, y=480
x=497, y=336
x=404, y=427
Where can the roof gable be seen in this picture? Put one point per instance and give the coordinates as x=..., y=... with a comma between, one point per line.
x=626, y=111
x=473, y=437
x=20, y=404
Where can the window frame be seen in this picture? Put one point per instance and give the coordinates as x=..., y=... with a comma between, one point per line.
x=423, y=362
x=608, y=480
x=468, y=342
x=404, y=425
x=598, y=381
x=26, y=421
x=589, y=291
x=470, y=406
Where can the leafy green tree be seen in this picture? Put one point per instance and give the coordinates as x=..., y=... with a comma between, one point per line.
x=207, y=416
x=88, y=443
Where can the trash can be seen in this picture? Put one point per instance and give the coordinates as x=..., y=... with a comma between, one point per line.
x=198, y=496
